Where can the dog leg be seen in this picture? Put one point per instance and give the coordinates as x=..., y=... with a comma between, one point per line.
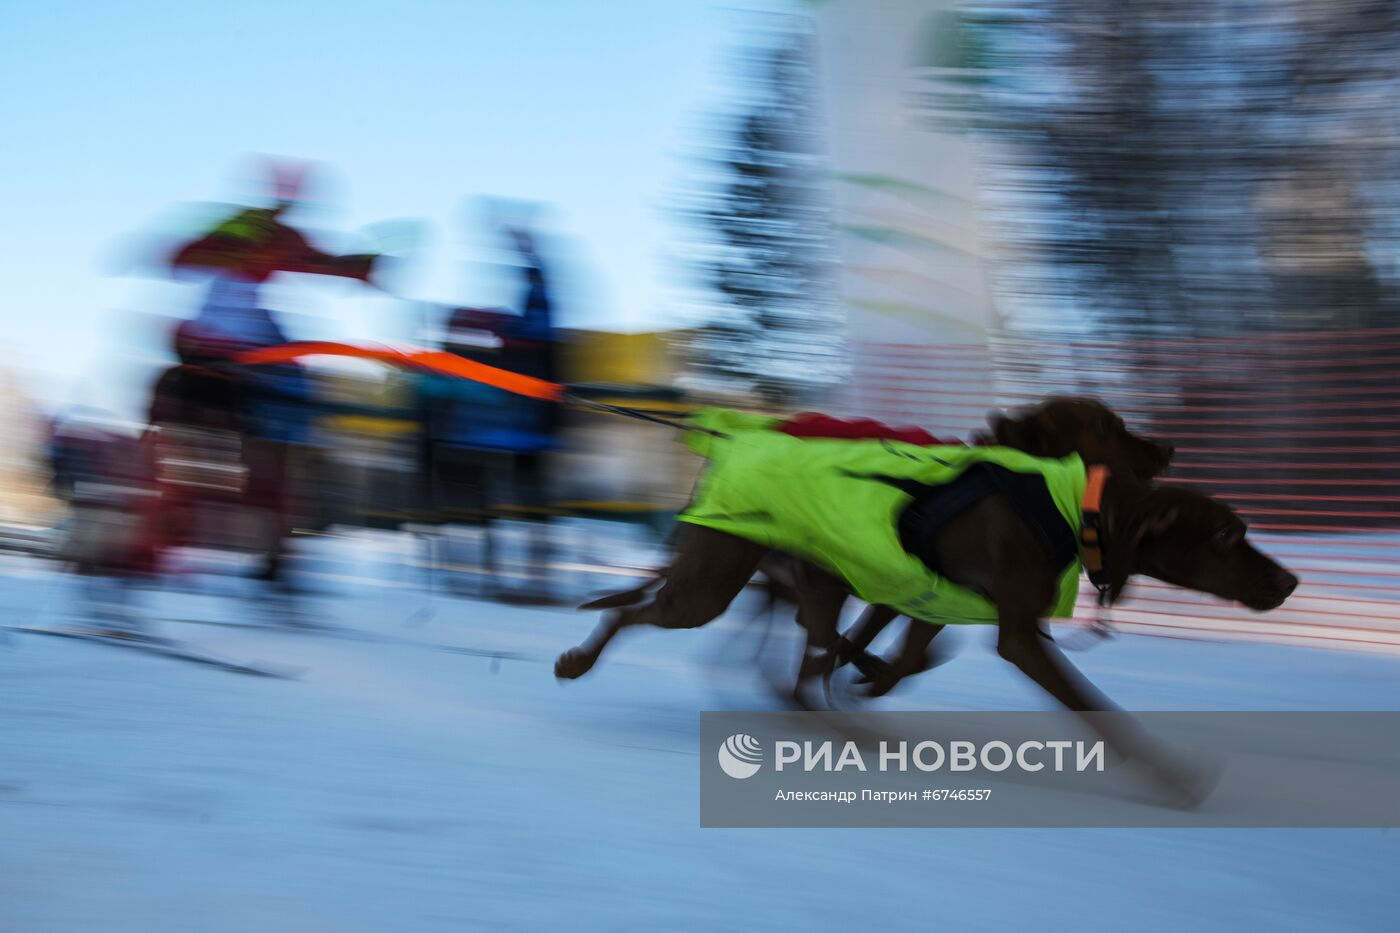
x=1022, y=643
x=626, y=597
x=580, y=659
x=820, y=599
x=853, y=648
x=708, y=570
x=914, y=657
x=873, y=621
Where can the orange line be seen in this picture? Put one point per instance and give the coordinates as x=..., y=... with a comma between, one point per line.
x=438, y=361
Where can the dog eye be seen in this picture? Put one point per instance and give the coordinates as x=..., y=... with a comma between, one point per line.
x=1229, y=535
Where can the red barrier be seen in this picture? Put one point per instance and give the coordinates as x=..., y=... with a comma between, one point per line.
x=1299, y=432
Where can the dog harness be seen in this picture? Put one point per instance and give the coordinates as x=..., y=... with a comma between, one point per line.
x=1091, y=536
x=868, y=510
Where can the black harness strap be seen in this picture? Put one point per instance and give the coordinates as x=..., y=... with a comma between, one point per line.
x=935, y=506
x=638, y=414
x=1091, y=537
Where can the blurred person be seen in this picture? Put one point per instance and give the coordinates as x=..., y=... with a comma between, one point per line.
x=465, y=437
x=240, y=253
x=486, y=451
x=248, y=247
x=277, y=433
x=24, y=468
x=197, y=420
x=532, y=349
x=102, y=472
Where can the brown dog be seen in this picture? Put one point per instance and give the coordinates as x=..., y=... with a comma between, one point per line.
x=1057, y=427
x=1170, y=533
x=1173, y=534
x=1064, y=425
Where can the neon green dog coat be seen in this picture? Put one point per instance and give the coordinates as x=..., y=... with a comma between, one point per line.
x=826, y=500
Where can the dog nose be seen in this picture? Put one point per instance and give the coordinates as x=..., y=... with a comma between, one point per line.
x=1273, y=590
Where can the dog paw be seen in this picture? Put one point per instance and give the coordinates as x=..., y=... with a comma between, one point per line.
x=878, y=676
x=574, y=663
x=881, y=686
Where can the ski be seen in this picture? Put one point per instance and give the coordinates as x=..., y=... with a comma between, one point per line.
x=163, y=647
x=335, y=631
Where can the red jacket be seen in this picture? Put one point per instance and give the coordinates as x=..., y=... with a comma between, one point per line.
x=815, y=424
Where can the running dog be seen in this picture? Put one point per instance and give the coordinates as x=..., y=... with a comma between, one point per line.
x=1057, y=427
x=938, y=533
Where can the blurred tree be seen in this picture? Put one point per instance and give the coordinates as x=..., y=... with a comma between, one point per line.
x=1204, y=168
x=764, y=250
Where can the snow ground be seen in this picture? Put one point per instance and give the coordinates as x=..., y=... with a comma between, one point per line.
x=426, y=773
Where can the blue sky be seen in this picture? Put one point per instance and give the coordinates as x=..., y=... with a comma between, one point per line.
x=116, y=113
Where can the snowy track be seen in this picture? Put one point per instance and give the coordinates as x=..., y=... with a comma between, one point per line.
x=426, y=773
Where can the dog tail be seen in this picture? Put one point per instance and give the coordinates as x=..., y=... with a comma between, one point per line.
x=625, y=597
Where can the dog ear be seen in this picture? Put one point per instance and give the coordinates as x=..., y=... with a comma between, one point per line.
x=1157, y=519
x=1024, y=434
x=1004, y=431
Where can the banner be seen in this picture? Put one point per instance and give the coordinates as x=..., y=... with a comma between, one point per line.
x=910, y=232
x=1050, y=769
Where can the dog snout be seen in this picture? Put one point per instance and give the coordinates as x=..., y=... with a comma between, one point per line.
x=1279, y=586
